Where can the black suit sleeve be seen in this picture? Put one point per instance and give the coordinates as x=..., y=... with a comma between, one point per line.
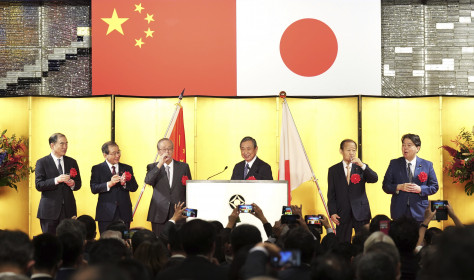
x=153, y=174
x=77, y=178
x=370, y=175
x=43, y=183
x=97, y=186
x=332, y=204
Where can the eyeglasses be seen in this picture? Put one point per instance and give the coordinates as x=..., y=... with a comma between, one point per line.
x=167, y=149
x=116, y=153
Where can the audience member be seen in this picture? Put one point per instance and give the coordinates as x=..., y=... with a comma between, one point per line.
x=331, y=267
x=152, y=254
x=108, y=251
x=47, y=256
x=375, y=222
x=73, y=226
x=300, y=240
x=134, y=270
x=404, y=232
x=91, y=228
x=141, y=236
x=72, y=257
x=16, y=253
x=198, y=238
x=376, y=266
x=101, y=272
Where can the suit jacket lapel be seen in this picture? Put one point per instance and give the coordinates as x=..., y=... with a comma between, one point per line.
x=106, y=169
x=404, y=170
x=252, y=169
x=175, y=178
x=53, y=164
x=417, y=168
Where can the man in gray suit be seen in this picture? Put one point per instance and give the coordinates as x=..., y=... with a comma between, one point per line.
x=168, y=179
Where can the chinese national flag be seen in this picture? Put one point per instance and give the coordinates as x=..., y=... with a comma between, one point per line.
x=157, y=47
x=178, y=138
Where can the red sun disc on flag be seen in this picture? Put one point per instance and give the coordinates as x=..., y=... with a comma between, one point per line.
x=308, y=47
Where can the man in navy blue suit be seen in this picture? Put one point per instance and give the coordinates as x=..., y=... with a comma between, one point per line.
x=251, y=166
x=109, y=180
x=347, y=200
x=410, y=180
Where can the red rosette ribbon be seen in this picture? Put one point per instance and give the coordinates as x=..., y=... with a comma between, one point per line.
x=73, y=172
x=251, y=178
x=127, y=176
x=184, y=179
x=355, y=178
x=423, y=177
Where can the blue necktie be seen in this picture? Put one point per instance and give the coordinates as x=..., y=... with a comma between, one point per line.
x=246, y=170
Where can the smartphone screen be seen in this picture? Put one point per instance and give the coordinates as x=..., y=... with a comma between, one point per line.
x=246, y=208
x=286, y=210
x=287, y=258
x=384, y=226
x=188, y=212
x=313, y=219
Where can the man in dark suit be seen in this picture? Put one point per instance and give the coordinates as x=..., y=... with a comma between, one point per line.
x=57, y=176
x=410, y=180
x=251, y=166
x=347, y=200
x=108, y=179
x=168, y=179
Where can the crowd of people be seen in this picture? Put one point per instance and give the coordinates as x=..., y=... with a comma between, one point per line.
x=199, y=249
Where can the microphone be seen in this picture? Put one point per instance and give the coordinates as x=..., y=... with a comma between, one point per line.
x=225, y=168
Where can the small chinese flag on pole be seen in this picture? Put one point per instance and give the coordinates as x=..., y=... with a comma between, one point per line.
x=178, y=137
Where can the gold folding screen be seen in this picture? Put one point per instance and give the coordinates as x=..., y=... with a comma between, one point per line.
x=214, y=128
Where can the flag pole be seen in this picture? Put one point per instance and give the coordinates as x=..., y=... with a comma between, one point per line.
x=312, y=172
x=167, y=134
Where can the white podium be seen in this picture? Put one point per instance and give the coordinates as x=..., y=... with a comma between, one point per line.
x=214, y=199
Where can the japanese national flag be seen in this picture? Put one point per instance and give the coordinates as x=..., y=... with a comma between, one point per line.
x=294, y=165
x=308, y=47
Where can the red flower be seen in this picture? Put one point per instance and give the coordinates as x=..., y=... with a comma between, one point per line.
x=73, y=172
x=251, y=178
x=127, y=176
x=184, y=179
x=355, y=178
x=423, y=177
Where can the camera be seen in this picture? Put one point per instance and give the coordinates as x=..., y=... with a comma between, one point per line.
x=246, y=208
x=441, y=209
x=286, y=210
x=314, y=221
x=289, y=219
x=188, y=212
x=287, y=259
x=384, y=226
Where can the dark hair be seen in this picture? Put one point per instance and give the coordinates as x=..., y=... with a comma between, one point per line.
x=134, y=269
x=302, y=240
x=141, y=236
x=162, y=140
x=248, y=138
x=404, y=232
x=47, y=251
x=119, y=226
x=105, y=146
x=341, y=146
x=15, y=248
x=174, y=239
x=432, y=235
x=375, y=222
x=73, y=247
x=54, y=138
x=243, y=235
x=331, y=267
x=413, y=137
x=152, y=254
x=90, y=225
x=198, y=237
x=73, y=226
x=108, y=251
x=376, y=266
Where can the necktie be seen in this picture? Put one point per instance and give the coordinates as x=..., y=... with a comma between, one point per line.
x=348, y=177
x=60, y=168
x=113, y=170
x=167, y=169
x=246, y=170
x=410, y=175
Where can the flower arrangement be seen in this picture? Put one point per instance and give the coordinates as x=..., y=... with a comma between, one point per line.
x=13, y=160
x=461, y=168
